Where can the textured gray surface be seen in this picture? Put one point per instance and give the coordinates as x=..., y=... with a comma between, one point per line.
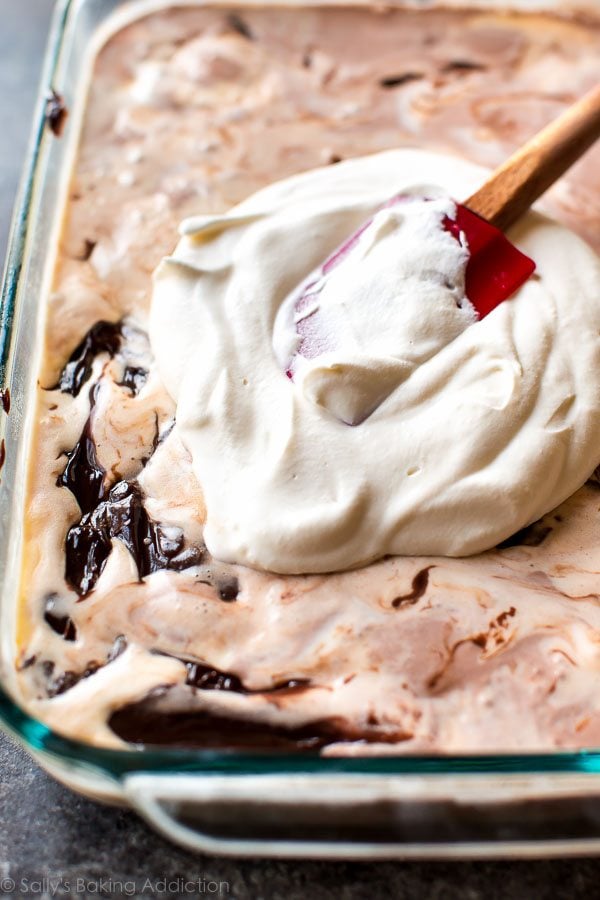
x=23, y=33
x=53, y=843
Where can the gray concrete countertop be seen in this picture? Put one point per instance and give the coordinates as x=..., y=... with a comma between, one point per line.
x=82, y=849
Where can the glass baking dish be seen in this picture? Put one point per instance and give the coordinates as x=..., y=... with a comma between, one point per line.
x=229, y=802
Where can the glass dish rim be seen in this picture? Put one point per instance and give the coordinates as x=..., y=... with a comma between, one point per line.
x=118, y=763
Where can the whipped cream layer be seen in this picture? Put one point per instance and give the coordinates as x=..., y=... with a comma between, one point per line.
x=495, y=427
x=386, y=301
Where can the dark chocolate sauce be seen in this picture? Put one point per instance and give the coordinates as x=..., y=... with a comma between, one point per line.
x=60, y=684
x=83, y=475
x=208, y=679
x=392, y=81
x=66, y=680
x=56, y=112
x=228, y=588
x=462, y=65
x=103, y=337
x=122, y=516
x=2, y=452
x=137, y=724
x=116, y=512
x=5, y=400
x=88, y=249
x=531, y=536
x=61, y=624
x=418, y=588
x=86, y=552
x=134, y=379
x=594, y=479
x=502, y=619
x=125, y=518
x=47, y=667
x=240, y=26
x=291, y=686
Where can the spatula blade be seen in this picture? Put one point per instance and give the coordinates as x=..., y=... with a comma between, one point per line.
x=496, y=268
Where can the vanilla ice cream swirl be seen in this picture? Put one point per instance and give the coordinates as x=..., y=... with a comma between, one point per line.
x=407, y=427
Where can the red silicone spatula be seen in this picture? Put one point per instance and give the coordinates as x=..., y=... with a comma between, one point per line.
x=496, y=268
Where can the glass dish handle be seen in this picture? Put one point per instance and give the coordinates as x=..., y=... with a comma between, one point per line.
x=252, y=816
x=379, y=817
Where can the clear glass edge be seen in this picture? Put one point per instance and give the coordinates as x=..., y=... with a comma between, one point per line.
x=117, y=764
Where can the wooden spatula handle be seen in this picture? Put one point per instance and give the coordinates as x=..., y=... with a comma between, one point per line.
x=541, y=161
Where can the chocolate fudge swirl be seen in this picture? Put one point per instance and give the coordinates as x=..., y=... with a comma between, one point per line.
x=115, y=512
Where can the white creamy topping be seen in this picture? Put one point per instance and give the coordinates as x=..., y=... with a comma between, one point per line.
x=387, y=301
x=477, y=430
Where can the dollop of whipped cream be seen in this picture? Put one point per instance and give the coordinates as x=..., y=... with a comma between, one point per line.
x=464, y=431
x=386, y=301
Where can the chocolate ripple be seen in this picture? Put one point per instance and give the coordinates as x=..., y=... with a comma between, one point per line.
x=103, y=337
x=116, y=512
x=83, y=475
x=123, y=517
x=60, y=623
x=531, y=536
x=207, y=678
x=137, y=724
